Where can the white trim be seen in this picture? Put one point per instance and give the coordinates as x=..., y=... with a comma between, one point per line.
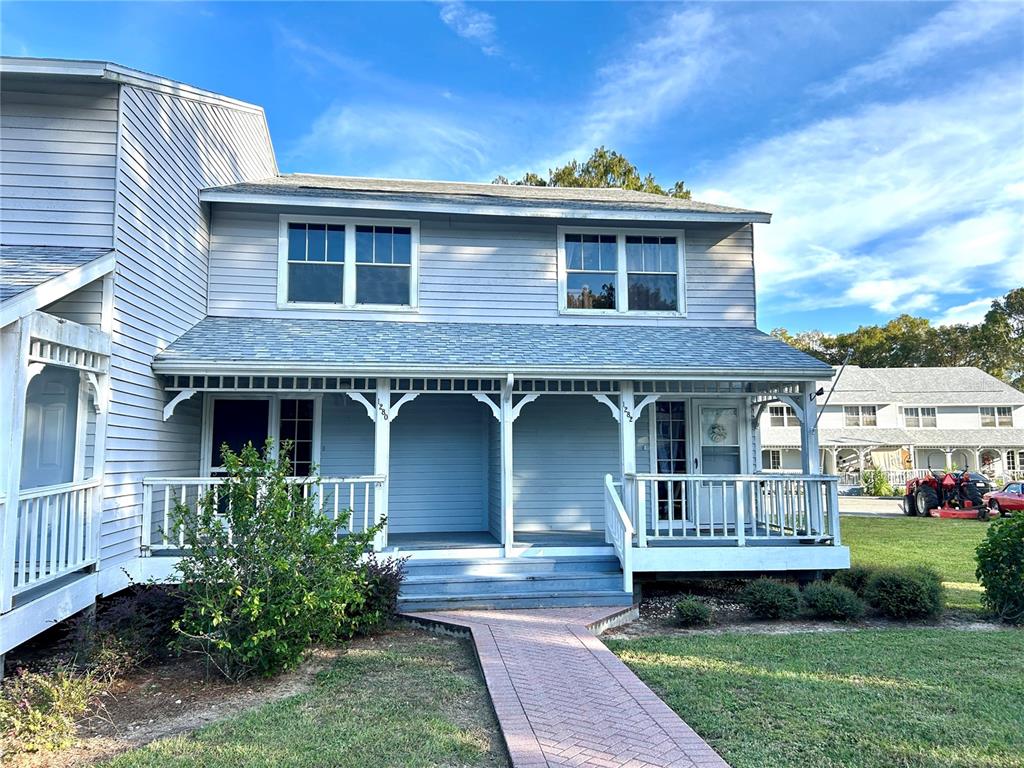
x=55, y=288
x=348, y=299
x=622, y=272
x=339, y=199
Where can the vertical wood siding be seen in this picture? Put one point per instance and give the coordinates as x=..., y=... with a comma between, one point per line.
x=84, y=306
x=58, y=164
x=564, y=445
x=170, y=149
x=491, y=271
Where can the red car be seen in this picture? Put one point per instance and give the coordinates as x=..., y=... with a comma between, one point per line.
x=1010, y=499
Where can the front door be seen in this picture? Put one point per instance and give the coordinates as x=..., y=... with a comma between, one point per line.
x=719, y=442
x=51, y=425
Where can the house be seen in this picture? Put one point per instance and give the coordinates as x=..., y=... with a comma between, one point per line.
x=907, y=421
x=543, y=392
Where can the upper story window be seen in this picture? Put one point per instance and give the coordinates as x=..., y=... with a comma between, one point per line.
x=919, y=417
x=996, y=416
x=602, y=271
x=327, y=263
x=782, y=416
x=860, y=415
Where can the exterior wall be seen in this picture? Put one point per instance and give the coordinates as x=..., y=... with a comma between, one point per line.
x=84, y=306
x=563, y=446
x=478, y=270
x=494, y=477
x=170, y=148
x=59, y=155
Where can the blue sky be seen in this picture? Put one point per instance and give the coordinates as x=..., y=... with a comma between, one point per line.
x=887, y=139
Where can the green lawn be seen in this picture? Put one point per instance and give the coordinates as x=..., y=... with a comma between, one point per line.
x=913, y=698
x=416, y=700
x=946, y=545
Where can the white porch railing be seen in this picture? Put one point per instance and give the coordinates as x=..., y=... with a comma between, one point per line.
x=619, y=530
x=763, y=508
x=56, y=532
x=162, y=530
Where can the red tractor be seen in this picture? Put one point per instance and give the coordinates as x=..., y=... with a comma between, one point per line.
x=947, y=494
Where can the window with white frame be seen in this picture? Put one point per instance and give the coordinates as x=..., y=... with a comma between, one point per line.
x=329, y=262
x=621, y=271
x=772, y=459
x=237, y=421
x=1014, y=460
x=860, y=415
x=782, y=416
x=919, y=417
x=996, y=416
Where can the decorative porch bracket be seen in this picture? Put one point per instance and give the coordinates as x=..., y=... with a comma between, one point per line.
x=758, y=408
x=181, y=397
x=99, y=399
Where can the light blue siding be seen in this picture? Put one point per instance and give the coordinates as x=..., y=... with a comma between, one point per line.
x=564, y=445
x=84, y=306
x=494, y=478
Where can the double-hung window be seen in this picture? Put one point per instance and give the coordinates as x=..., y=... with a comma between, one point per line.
x=782, y=416
x=602, y=271
x=996, y=416
x=919, y=417
x=860, y=415
x=337, y=263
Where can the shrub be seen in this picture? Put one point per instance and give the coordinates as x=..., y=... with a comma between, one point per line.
x=691, y=612
x=381, y=581
x=39, y=711
x=854, y=578
x=769, y=599
x=875, y=483
x=825, y=600
x=265, y=573
x=1000, y=570
x=905, y=593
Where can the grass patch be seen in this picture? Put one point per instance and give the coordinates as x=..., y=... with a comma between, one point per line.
x=408, y=700
x=914, y=698
x=946, y=545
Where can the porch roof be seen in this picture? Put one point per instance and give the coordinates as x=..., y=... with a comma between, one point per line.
x=257, y=345
x=25, y=266
x=990, y=437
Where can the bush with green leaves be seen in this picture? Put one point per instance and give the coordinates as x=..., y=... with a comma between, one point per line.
x=825, y=600
x=40, y=710
x=382, y=579
x=265, y=573
x=905, y=593
x=1000, y=570
x=691, y=612
x=875, y=483
x=854, y=578
x=770, y=599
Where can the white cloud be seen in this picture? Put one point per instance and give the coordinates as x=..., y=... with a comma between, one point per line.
x=897, y=207
x=959, y=25
x=972, y=312
x=412, y=143
x=471, y=24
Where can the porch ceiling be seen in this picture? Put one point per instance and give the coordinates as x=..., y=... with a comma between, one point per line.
x=262, y=345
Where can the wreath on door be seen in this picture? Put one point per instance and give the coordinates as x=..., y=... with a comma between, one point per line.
x=717, y=432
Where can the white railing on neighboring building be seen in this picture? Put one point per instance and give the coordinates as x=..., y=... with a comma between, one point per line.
x=619, y=530
x=335, y=497
x=764, y=508
x=56, y=533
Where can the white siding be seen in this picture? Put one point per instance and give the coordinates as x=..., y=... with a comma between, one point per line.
x=84, y=306
x=170, y=149
x=59, y=147
x=479, y=270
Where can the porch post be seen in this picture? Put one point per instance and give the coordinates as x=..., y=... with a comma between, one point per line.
x=627, y=448
x=507, y=418
x=382, y=455
x=810, y=456
x=14, y=348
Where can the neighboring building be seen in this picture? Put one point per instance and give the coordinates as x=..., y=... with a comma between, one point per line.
x=907, y=421
x=528, y=380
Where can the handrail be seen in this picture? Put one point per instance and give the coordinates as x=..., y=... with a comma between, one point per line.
x=627, y=524
x=218, y=480
x=50, y=490
x=621, y=536
x=752, y=477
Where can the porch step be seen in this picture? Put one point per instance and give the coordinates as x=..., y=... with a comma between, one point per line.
x=513, y=582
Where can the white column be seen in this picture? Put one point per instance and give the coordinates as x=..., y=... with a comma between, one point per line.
x=810, y=455
x=977, y=460
x=949, y=457
x=14, y=347
x=506, y=420
x=382, y=454
x=627, y=447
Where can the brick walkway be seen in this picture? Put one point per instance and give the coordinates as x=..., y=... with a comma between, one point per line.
x=563, y=699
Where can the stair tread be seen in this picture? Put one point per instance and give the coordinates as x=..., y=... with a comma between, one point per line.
x=463, y=578
x=431, y=562
x=532, y=595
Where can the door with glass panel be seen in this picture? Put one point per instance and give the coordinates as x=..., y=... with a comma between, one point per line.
x=668, y=439
x=719, y=441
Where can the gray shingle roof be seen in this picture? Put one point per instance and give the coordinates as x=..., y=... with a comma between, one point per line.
x=222, y=343
x=984, y=438
x=25, y=266
x=353, y=188
x=922, y=386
